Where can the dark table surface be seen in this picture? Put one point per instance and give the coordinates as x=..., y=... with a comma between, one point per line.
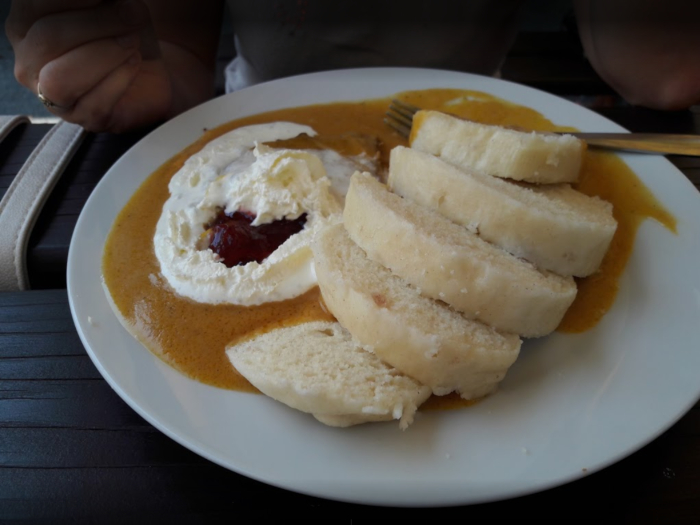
x=71, y=448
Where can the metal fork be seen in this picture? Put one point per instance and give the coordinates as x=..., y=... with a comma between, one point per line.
x=400, y=118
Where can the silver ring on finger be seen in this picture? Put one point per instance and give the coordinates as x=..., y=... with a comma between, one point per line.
x=49, y=103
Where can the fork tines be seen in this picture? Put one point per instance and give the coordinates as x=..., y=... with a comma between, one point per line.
x=400, y=117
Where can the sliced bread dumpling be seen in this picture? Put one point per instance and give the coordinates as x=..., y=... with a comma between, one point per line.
x=542, y=158
x=423, y=338
x=320, y=369
x=447, y=262
x=553, y=226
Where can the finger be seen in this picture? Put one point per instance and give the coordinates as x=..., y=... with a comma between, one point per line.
x=67, y=78
x=148, y=99
x=95, y=111
x=23, y=13
x=56, y=34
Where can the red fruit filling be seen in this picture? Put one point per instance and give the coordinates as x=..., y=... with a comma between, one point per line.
x=237, y=242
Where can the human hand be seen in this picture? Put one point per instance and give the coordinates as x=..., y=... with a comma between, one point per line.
x=98, y=61
x=646, y=51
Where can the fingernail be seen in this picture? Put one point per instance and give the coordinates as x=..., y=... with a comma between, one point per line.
x=128, y=41
x=132, y=12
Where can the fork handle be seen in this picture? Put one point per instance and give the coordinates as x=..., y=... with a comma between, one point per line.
x=648, y=142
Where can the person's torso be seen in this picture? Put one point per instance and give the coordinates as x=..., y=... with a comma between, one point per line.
x=277, y=38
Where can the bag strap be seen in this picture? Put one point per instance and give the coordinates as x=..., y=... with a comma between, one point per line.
x=10, y=122
x=24, y=199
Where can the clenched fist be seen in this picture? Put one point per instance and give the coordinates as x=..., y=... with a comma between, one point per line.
x=103, y=63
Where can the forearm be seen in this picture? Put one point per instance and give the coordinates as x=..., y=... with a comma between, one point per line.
x=647, y=50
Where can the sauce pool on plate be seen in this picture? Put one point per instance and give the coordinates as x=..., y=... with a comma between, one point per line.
x=192, y=336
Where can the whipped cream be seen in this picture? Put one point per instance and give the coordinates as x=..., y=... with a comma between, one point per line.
x=238, y=173
x=278, y=184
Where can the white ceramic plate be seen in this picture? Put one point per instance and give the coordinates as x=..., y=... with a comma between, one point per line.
x=571, y=402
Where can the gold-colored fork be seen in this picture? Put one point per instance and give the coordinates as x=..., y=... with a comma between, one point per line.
x=400, y=118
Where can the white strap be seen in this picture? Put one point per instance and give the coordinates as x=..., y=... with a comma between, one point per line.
x=10, y=122
x=25, y=197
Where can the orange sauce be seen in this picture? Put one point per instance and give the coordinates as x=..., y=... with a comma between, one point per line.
x=192, y=337
x=605, y=175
